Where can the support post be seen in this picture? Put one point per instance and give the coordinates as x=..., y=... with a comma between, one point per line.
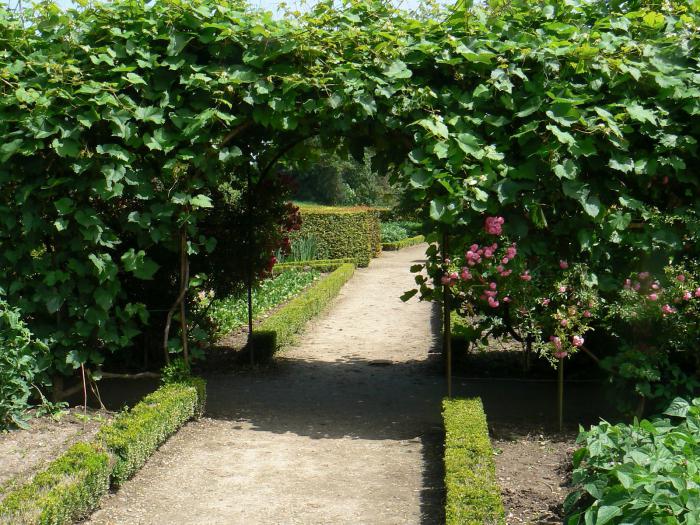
x=560, y=395
x=446, y=323
x=249, y=267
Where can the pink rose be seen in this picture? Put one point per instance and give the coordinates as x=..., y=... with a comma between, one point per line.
x=494, y=225
x=653, y=297
x=587, y=313
x=681, y=278
x=687, y=296
x=564, y=323
x=577, y=341
x=563, y=265
x=667, y=309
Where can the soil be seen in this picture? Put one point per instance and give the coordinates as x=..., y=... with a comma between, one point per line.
x=343, y=428
x=533, y=470
x=25, y=452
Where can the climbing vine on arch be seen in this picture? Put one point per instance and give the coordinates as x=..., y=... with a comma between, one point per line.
x=122, y=120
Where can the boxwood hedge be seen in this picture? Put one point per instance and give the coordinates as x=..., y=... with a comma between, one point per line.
x=473, y=495
x=403, y=243
x=68, y=490
x=136, y=434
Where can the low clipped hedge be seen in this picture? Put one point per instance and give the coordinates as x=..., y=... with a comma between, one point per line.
x=323, y=265
x=342, y=233
x=403, y=243
x=473, y=495
x=68, y=490
x=136, y=434
x=280, y=328
x=71, y=486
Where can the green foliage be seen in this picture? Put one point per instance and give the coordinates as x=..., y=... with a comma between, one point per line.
x=231, y=313
x=178, y=371
x=302, y=249
x=133, y=436
x=342, y=232
x=337, y=179
x=68, y=490
x=403, y=243
x=655, y=320
x=23, y=359
x=392, y=232
x=576, y=120
x=279, y=329
x=646, y=472
x=473, y=495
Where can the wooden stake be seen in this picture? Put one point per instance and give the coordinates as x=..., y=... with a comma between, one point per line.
x=446, y=323
x=560, y=395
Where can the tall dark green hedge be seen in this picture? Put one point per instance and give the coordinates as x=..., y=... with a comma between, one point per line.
x=343, y=232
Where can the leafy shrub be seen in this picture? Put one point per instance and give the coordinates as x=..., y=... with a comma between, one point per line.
x=473, y=495
x=177, y=371
x=646, y=472
x=392, y=232
x=23, y=359
x=68, y=490
x=230, y=313
x=342, y=232
x=399, y=230
x=279, y=329
x=133, y=436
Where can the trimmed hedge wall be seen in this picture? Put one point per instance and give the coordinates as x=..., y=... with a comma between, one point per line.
x=342, y=233
x=323, y=265
x=279, y=329
x=135, y=435
x=403, y=243
x=473, y=495
x=68, y=490
x=71, y=486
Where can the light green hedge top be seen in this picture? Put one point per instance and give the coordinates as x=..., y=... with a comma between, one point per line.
x=473, y=495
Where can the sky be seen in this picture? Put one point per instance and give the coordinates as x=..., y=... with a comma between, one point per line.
x=265, y=4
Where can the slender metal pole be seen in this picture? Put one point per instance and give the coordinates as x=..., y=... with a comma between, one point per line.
x=446, y=323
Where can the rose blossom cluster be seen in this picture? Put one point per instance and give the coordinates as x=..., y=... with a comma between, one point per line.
x=494, y=225
x=654, y=292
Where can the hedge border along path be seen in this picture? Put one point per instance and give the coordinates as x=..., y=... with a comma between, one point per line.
x=473, y=495
x=70, y=488
x=322, y=265
x=280, y=328
x=403, y=243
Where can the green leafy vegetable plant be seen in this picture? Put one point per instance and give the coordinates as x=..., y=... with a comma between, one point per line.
x=647, y=472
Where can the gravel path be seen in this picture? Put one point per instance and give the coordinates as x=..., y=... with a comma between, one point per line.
x=344, y=428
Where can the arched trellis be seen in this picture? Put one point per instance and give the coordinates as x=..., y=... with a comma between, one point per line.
x=120, y=119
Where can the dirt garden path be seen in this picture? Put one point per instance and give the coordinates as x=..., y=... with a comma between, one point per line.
x=344, y=428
